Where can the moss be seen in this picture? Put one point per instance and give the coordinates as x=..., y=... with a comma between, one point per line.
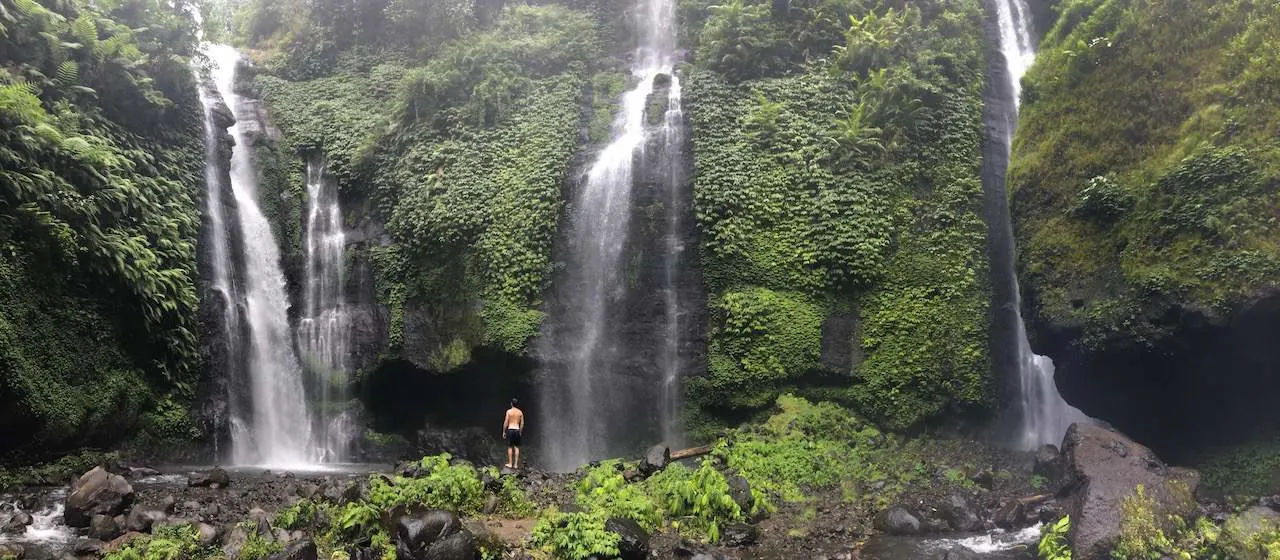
x=1186, y=154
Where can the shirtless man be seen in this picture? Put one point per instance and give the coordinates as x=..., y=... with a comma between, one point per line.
x=512, y=427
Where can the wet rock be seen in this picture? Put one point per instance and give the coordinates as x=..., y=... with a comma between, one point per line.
x=655, y=459
x=352, y=493
x=985, y=479
x=1049, y=512
x=958, y=555
x=121, y=542
x=236, y=537
x=739, y=534
x=304, y=549
x=17, y=523
x=142, y=520
x=960, y=514
x=97, y=492
x=140, y=472
x=168, y=504
x=14, y=550
x=1050, y=464
x=213, y=478
x=740, y=491
x=634, y=540
x=897, y=520
x=508, y=471
x=414, y=534
x=104, y=528
x=491, y=504
x=1012, y=515
x=87, y=547
x=208, y=533
x=458, y=546
x=1102, y=469
x=1272, y=502
x=363, y=553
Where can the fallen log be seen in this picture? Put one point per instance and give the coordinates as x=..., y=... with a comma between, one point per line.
x=690, y=452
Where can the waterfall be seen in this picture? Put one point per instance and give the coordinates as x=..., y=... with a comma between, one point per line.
x=598, y=394
x=1044, y=415
x=672, y=136
x=278, y=430
x=324, y=332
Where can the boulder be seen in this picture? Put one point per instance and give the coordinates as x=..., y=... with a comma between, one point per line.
x=302, y=549
x=739, y=534
x=142, y=520
x=634, y=540
x=363, y=553
x=141, y=472
x=1012, y=515
x=491, y=504
x=208, y=533
x=96, y=492
x=960, y=514
x=458, y=546
x=1103, y=468
x=12, y=550
x=16, y=524
x=1241, y=533
x=104, y=528
x=1050, y=464
x=897, y=520
x=655, y=459
x=87, y=547
x=740, y=491
x=213, y=478
x=121, y=542
x=414, y=534
x=168, y=504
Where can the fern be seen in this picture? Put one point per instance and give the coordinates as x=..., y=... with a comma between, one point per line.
x=85, y=31
x=68, y=73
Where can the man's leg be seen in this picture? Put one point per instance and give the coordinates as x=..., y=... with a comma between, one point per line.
x=509, y=448
x=516, y=464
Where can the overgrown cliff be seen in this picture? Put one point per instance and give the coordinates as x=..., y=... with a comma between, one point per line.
x=100, y=169
x=1144, y=184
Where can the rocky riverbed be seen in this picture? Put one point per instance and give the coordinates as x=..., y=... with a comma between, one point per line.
x=977, y=502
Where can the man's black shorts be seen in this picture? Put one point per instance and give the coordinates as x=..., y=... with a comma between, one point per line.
x=513, y=437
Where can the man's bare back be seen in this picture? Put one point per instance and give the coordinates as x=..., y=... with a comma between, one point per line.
x=512, y=430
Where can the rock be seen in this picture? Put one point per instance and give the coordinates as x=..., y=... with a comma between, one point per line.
x=415, y=534
x=17, y=523
x=104, y=528
x=634, y=540
x=304, y=549
x=87, y=547
x=121, y=542
x=142, y=520
x=958, y=555
x=97, y=492
x=985, y=479
x=13, y=550
x=1012, y=515
x=363, y=553
x=1049, y=512
x=1241, y=533
x=897, y=520
x=352, y=493
x=1103, y=468
x=140, y=472
x=208, y=533
x=508, y=471
x=214, y=478
x=237, y=535
x=168, y=504
x=739, y=534
x=960, y=514
x=1050, y=464
x=740, y=491
x=1272, y=502
x=491, y=504
x=655, y=459
x=458, y=546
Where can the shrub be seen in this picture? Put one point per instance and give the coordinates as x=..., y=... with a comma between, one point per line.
x=701, y=496
x=296, y=516
x=1053, y=542
x=167, y=542
x=606, y=492
x=575, y=536
x=456, y=488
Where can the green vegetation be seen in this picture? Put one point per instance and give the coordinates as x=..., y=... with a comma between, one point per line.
x=1137, y=189
x=836, y=149
x=1053, y=542
x=100, y=157
x=806, y=448
x=456, y=488
x=575, y=536
x=54, y=473
x=168, y=542
x=698, y=500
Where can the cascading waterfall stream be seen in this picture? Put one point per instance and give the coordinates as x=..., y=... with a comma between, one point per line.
x=588, y=405
x=1044, y=415
x=324, y=332
x=672, y=135
x=279, y=427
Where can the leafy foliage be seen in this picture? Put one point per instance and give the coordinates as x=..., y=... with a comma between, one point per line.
x=1053, y=541
x=100, y=152
x=575, y=536
x=605, y=491
x=835, y=150
x=700, y=499
x=442, y=486
x=1131, y=196
x=168, y=542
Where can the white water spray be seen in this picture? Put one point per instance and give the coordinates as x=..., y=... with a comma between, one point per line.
x=280, y=425
x=1045, y=415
